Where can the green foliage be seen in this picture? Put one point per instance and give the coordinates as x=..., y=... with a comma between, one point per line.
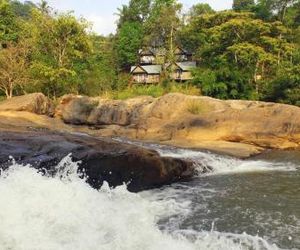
x=22, y=10
x=200, y=9
x=61, y=43
x=9, y=27
x=207, y=81
x=128, y=42
x=243, y=5
x=250, y=52
x=152, y=90
x=135, y=11
x=285, y=87
x=238, y=53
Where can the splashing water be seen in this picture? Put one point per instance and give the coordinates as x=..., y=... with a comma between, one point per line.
x=64, y=213
x=214, y=164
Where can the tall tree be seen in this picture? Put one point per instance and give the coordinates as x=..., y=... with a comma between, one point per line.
x=8, y=24
x=22, y=9
x=239, y=51
x=200, y=9
x=14, y=68
x=130, y=32
x=243, y=5
x=61, y=40
x=128, y=42
x=162, y=25
x=135, y=11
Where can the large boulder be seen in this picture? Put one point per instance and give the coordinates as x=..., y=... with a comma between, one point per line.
x=97, y=111
x=101, y=159
x=34, y=103
x=192, y=121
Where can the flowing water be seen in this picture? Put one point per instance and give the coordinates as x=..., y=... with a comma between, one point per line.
x=251, y=204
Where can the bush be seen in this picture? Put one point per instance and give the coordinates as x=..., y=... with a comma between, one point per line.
x=197, y=107
x=2, y=98
x=152, y=90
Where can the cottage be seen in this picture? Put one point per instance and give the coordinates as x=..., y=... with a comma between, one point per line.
x=182, y=55
x=152, y=64
x=146, y=73
x=181, y=71
x=147, y=56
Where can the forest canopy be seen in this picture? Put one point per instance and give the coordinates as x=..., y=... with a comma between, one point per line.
x=249, y=52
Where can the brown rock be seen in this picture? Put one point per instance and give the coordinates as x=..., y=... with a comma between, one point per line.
x=34, y=103
x=194, y=122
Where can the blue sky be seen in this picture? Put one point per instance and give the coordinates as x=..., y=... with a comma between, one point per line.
x=102, y=12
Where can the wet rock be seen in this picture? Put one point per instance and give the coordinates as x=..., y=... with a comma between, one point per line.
x=101, y=159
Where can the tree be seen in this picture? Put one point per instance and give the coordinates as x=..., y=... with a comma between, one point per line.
x=239, y=50
x=285, y=88
x=264, y=10
x=44, y=7
x=128, y=42
x=98, y=72
x=8, y=24
x=22, y=10
x=199, y=9
x=14, y=67
x=130, y=33
x=135, y=11
x=274, y=9
x=162, y=26
x=281, y=6
x=243, y=5
x=60, y=41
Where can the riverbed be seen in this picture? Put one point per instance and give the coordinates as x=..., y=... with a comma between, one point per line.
x=236, y=204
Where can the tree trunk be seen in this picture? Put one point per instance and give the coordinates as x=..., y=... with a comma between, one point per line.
x=283, y=11
x=256, y=82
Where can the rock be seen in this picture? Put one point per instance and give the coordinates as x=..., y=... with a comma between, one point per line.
x=34, y=103
x=83, y=110
x=102, y=159
x=194, y=122
x=75, y=109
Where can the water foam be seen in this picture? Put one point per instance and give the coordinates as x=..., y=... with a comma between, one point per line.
x=65, y=213
x=214, y=164
x=217, y=164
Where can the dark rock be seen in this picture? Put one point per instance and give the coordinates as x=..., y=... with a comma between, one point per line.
x=102, y=159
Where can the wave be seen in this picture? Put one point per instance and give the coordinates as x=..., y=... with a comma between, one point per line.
x=64, y=213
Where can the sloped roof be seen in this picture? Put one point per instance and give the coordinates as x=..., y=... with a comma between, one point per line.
x=133, y=68
x=186, y=66
x=149, y=69
x=145, y=52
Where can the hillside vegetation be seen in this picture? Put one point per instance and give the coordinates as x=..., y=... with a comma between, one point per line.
x=250, y=52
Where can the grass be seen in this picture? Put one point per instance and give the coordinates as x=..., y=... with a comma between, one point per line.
x=197, y=107
x=152, y=90
x=2, y=98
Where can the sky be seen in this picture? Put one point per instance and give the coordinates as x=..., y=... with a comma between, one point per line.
x=102, y=13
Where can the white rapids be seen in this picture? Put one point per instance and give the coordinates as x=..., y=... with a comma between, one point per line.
x=64, y=213
x=215, y=164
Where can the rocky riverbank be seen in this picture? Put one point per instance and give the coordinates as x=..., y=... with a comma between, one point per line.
x=33, y=132
x=30, y=135
x=238, y=128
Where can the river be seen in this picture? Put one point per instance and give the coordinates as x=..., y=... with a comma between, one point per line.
x=238, y=204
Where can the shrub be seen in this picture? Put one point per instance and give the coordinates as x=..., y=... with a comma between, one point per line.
x=197, y=107
x=152, y=90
